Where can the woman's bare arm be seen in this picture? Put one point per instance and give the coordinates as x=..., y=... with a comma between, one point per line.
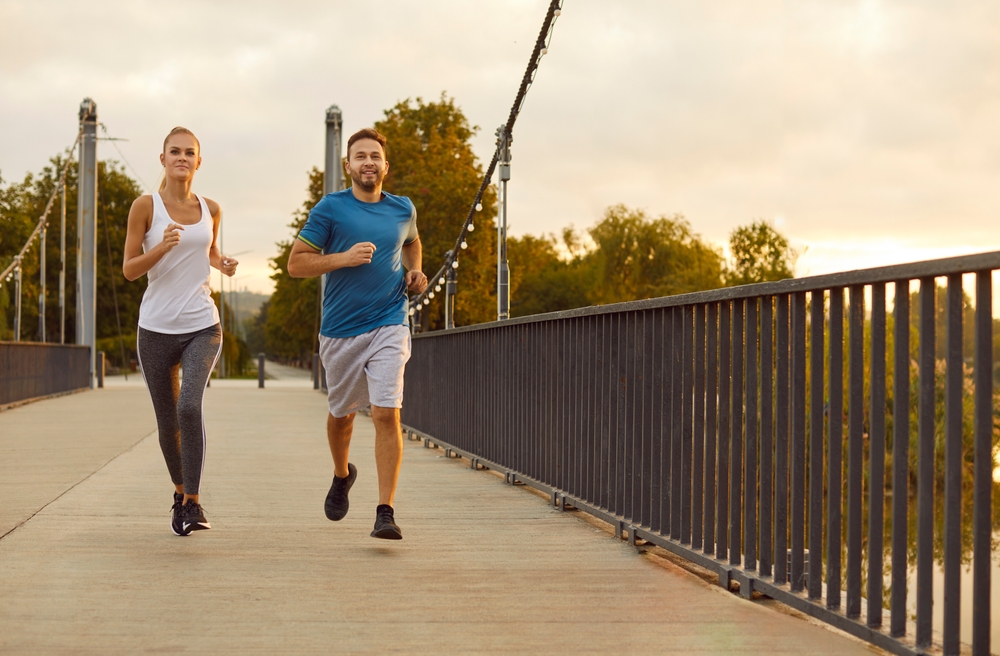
x=135, y=263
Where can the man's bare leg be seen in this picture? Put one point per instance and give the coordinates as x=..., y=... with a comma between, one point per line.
x=388, y=451
x=338, y=433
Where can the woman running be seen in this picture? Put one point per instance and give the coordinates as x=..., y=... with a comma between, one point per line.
x=173, y=236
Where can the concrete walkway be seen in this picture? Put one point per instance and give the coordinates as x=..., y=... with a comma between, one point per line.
x=88, y=563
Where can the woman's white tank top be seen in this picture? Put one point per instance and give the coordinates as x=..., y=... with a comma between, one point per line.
x=178, y=299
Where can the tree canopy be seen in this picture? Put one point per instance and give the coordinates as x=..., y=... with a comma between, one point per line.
x=431, y=161
x=760, y=254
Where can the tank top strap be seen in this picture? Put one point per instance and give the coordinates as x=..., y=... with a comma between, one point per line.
x=160, y=214
x=205, y=214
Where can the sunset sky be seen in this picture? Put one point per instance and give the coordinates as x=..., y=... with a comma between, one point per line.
x=868, y=131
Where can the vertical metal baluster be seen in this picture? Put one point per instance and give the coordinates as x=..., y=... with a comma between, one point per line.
x=798, y=436
x=736, y=439
x=558, y=413
x=633, y=457
x=855, y=447
x=687, y=439
x=526, y=402
x=676, y=429
x=876, y=456
x=657, y=418
x=983, y=484
x=614, y=410
x=666, y=451
x=750, y=458
x=725, y=410
x=567, y=444
x=644, y=460
x=816, y=446
x=766, y=433
x=925, y=467
x=711, y=399
x=782, y=445
x=900, y=452
x=953, y=466
x=835, y=449
x=601, y=429
x=588, y=409
x=626, y=373
x=698, y=508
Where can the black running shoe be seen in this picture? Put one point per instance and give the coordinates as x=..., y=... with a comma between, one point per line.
x=385, y=526
x=336, y=499
x=175, y=516
x=192, y=518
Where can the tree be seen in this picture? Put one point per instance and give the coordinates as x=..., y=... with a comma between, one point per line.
x=22, y=204
x=431, y=161
x=293, y=313
x=640, y=257
x=760, y=253
x=541, y=280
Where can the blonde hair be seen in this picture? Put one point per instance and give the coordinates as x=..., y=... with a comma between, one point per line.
x=176, y=130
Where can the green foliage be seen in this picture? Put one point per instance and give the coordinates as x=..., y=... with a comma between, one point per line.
x=21, y=205
x=639, y=257
x=291, y=320
x=760, y=254
x=633, y=256
x=118, y=300
x=541, y=281
x=431, y=161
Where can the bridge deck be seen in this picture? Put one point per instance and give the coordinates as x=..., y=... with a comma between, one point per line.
x=88, y=564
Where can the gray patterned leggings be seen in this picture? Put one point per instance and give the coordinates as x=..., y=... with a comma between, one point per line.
x=178, y=403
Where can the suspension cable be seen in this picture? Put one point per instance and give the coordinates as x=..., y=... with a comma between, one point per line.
x=48, y=207
x=541, y=48
x=113, y=140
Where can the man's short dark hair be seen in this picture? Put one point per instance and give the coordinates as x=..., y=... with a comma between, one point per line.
x=366, y=133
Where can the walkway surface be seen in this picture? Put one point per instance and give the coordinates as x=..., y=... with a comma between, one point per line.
x=88, y=563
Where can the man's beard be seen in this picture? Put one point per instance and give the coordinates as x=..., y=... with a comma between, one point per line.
x=358, y=179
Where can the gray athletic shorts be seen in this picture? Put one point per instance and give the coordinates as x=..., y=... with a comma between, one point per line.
x=366, y=369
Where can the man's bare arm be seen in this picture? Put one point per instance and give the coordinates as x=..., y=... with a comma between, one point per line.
x=412, y=256
x=304, y=261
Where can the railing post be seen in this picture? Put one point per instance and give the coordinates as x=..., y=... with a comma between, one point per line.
x=41, y=294
x=62, y=267
x=260, y=370
x=17, y=303
x=99, y=364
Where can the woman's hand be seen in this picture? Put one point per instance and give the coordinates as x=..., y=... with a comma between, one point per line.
x=227, y=265
x=171, y=236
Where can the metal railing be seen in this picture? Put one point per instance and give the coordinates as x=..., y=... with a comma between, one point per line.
x=703, y=423
x=30, y=370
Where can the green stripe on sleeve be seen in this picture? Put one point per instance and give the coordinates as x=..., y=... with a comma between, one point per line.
x=309, y=243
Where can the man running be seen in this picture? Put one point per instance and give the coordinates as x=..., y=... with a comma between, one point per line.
x=362, y=238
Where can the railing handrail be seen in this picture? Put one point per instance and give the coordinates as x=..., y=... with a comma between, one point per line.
x=875, y=275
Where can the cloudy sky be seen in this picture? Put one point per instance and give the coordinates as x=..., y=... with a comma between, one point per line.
x=866, y=130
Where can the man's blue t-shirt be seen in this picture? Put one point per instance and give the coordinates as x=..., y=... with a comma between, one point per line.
x=362, y=298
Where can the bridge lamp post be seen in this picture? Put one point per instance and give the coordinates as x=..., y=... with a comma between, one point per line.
x=503, y=270
x=86, y=222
